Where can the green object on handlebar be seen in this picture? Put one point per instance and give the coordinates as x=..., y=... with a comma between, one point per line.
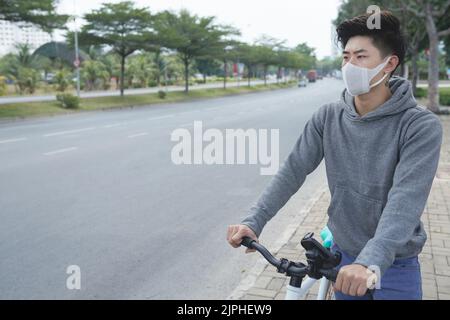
x=327, y=237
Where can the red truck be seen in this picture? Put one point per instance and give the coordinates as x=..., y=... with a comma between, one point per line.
x=312, y=75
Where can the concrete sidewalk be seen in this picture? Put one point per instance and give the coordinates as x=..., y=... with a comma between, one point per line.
x=263, y=282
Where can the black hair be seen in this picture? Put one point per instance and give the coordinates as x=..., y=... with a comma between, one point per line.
x=388, y=39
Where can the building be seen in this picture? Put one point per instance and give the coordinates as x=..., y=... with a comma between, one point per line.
x=13, y=33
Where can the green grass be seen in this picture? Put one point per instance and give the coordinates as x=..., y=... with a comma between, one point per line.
x=32, y=109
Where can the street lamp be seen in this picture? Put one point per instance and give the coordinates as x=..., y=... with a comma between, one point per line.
x=226, y=49
x=77, y=59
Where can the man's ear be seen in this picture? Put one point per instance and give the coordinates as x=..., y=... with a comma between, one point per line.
x=392, y=64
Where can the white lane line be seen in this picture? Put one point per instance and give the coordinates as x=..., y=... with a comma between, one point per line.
x=60, y=151
x=162, y=117
x=138, y=135
x=67, y=132
x=12, y=140
x=113, y=125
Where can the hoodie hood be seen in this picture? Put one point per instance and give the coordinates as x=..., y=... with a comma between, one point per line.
x=402, y=99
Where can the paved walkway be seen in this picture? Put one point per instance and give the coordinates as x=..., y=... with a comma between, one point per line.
x=265, y=283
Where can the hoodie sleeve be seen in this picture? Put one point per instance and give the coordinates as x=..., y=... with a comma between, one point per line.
x=412, y=181
x=303, y=159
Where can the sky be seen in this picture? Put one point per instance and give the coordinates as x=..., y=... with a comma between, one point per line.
x=295, y=21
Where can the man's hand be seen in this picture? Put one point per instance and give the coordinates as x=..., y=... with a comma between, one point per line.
x=235, y=234
x=354, y=280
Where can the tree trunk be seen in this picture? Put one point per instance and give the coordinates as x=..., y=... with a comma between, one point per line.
x=265, y=75
x=122, y=74
x=249, y=74
x=414, y=68
x=186, y=75
x=225, y=74
x=402, y=69
x=278, y=75
x=433, y=63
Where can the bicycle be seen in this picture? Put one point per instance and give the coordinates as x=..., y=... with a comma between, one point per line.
x=320, y=265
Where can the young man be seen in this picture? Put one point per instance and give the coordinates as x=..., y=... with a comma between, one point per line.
x=381, y=154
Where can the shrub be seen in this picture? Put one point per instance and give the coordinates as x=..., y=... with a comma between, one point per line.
x=62, y=80
x=421, y=92
x=3, y=87
x=152, y=83
x=27, y=80
x=68, y=100
x=161, y=94
x=444, y=97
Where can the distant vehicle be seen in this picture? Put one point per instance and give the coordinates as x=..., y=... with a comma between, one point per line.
x=312, y=75
x=337, y=74
x=49, y=77
x=302, y=82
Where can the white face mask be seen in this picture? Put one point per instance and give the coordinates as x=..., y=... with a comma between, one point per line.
x=357, y=79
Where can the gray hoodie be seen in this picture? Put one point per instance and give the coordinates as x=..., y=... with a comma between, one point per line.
x=380, y=168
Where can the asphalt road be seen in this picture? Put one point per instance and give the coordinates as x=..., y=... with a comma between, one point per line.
x=99, y=190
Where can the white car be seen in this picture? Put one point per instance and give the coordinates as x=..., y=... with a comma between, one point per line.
x=302, y=83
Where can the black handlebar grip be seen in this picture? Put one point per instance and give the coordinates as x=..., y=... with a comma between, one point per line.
x=330, y=274
x=247, y=242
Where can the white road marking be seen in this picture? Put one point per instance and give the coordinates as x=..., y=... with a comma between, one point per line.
x=113, y=125
x=12, y=140
x=67, y=132
x=138, y=135
x=162, y=117
x=60, y=151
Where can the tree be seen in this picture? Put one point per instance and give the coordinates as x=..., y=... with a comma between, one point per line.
x=93, y=73
x=207, y=66
x=112, y=66
x=159, y=64
x=120, y=26
x=328, y=64
x=140, y=67
x=266, y=53
x=38, y=12
x=430, y=12
x=248, y=56
x=191, y=36
x=22, y=68
x=308, y=54
x=226, y=52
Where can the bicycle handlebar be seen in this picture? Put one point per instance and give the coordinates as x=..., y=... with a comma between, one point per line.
x=252, y=244
x=285, y=266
